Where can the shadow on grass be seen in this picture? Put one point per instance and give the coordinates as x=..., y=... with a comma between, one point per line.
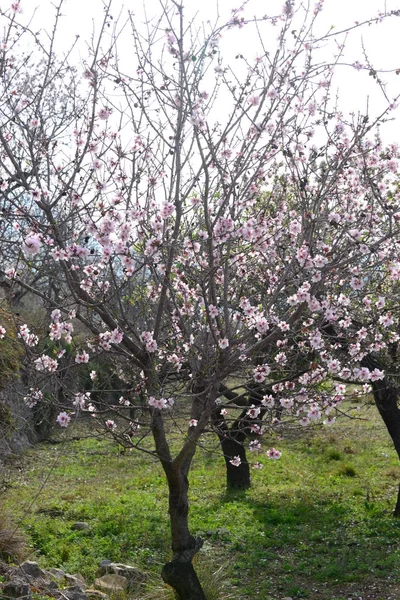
x=311, y=540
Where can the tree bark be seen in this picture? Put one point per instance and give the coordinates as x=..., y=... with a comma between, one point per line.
x=179, y=573
x=232, y=444
x=237, y=478
x=386, y=396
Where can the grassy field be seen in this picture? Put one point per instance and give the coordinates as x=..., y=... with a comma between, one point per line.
x=316, y=524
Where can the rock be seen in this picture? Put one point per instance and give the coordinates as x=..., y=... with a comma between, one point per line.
x=52, y=585
x=31, y=570
x=57, y=574
x=96, y=595
x=104, y=563
x=16, y=589
x=74, y=593
x=75, y=580
x=80, y=526
x=134, y=575
x=111, y=583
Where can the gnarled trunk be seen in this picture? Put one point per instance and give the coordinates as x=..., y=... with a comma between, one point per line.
x=386, y=396
x=179, y=573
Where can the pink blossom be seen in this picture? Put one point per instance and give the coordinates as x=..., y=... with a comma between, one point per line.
x=286, y=403
x=356, y=283
x=45, y=363
x=236, y=461
x=193, y=423
x=386, y=320
x=254, y=446
x=31, y=244
x=33, y=397
x=213, y=311
x=268, y=401
x=223, y=343
x=116, y=336
x=274, y=454
x=262, y=325
x=377, y=374
x=16, y=7
x=253, y=412
x=254, y=100
x=167, y=209
x=110, y=424
x=104, y=113
x=151, y=346
x=82, y=357
x=2, y=332
x=63, y=419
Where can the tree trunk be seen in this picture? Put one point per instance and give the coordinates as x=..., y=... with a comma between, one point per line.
x=180, y=575
x=386, y=396
x=237, y=478
x=179, y=572
x=396, y=512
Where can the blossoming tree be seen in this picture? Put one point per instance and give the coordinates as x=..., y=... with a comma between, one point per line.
x=198, y=222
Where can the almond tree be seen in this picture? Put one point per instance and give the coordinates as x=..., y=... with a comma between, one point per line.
x=200, y=221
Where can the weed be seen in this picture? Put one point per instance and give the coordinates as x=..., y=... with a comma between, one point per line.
x=334, y=454
x=348, y=471
x=12, y=540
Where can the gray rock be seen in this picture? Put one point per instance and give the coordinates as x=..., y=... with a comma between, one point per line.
x=17, y=589
x=74, y=593
x=30, y=569
x=52, y=585
x=111, y=583
x=134, y=575
x=75, y=580
x=57, y=574
x=80, y=526
x=104, y=563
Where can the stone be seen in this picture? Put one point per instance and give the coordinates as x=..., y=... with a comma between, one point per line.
x=16, y=589
x=76, y=579
x=57, y=574
x=31, y=570
x=104, y=563
x=111, y=583
x=134, y=575
x=96, y=595
x=80, y=526
x=74, y=593
x=52, y=585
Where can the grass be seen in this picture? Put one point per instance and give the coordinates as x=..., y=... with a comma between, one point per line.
x=316, y=525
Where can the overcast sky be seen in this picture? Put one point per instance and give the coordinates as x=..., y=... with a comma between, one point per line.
x=381, y=41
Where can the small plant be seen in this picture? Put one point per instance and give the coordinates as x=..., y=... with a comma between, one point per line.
x=12, y=541
x=348, y=471
x=334, y=454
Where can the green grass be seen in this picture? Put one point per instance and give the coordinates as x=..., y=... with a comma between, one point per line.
x=317, y=524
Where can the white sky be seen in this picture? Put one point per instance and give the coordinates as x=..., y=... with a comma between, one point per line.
x=382, y=41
